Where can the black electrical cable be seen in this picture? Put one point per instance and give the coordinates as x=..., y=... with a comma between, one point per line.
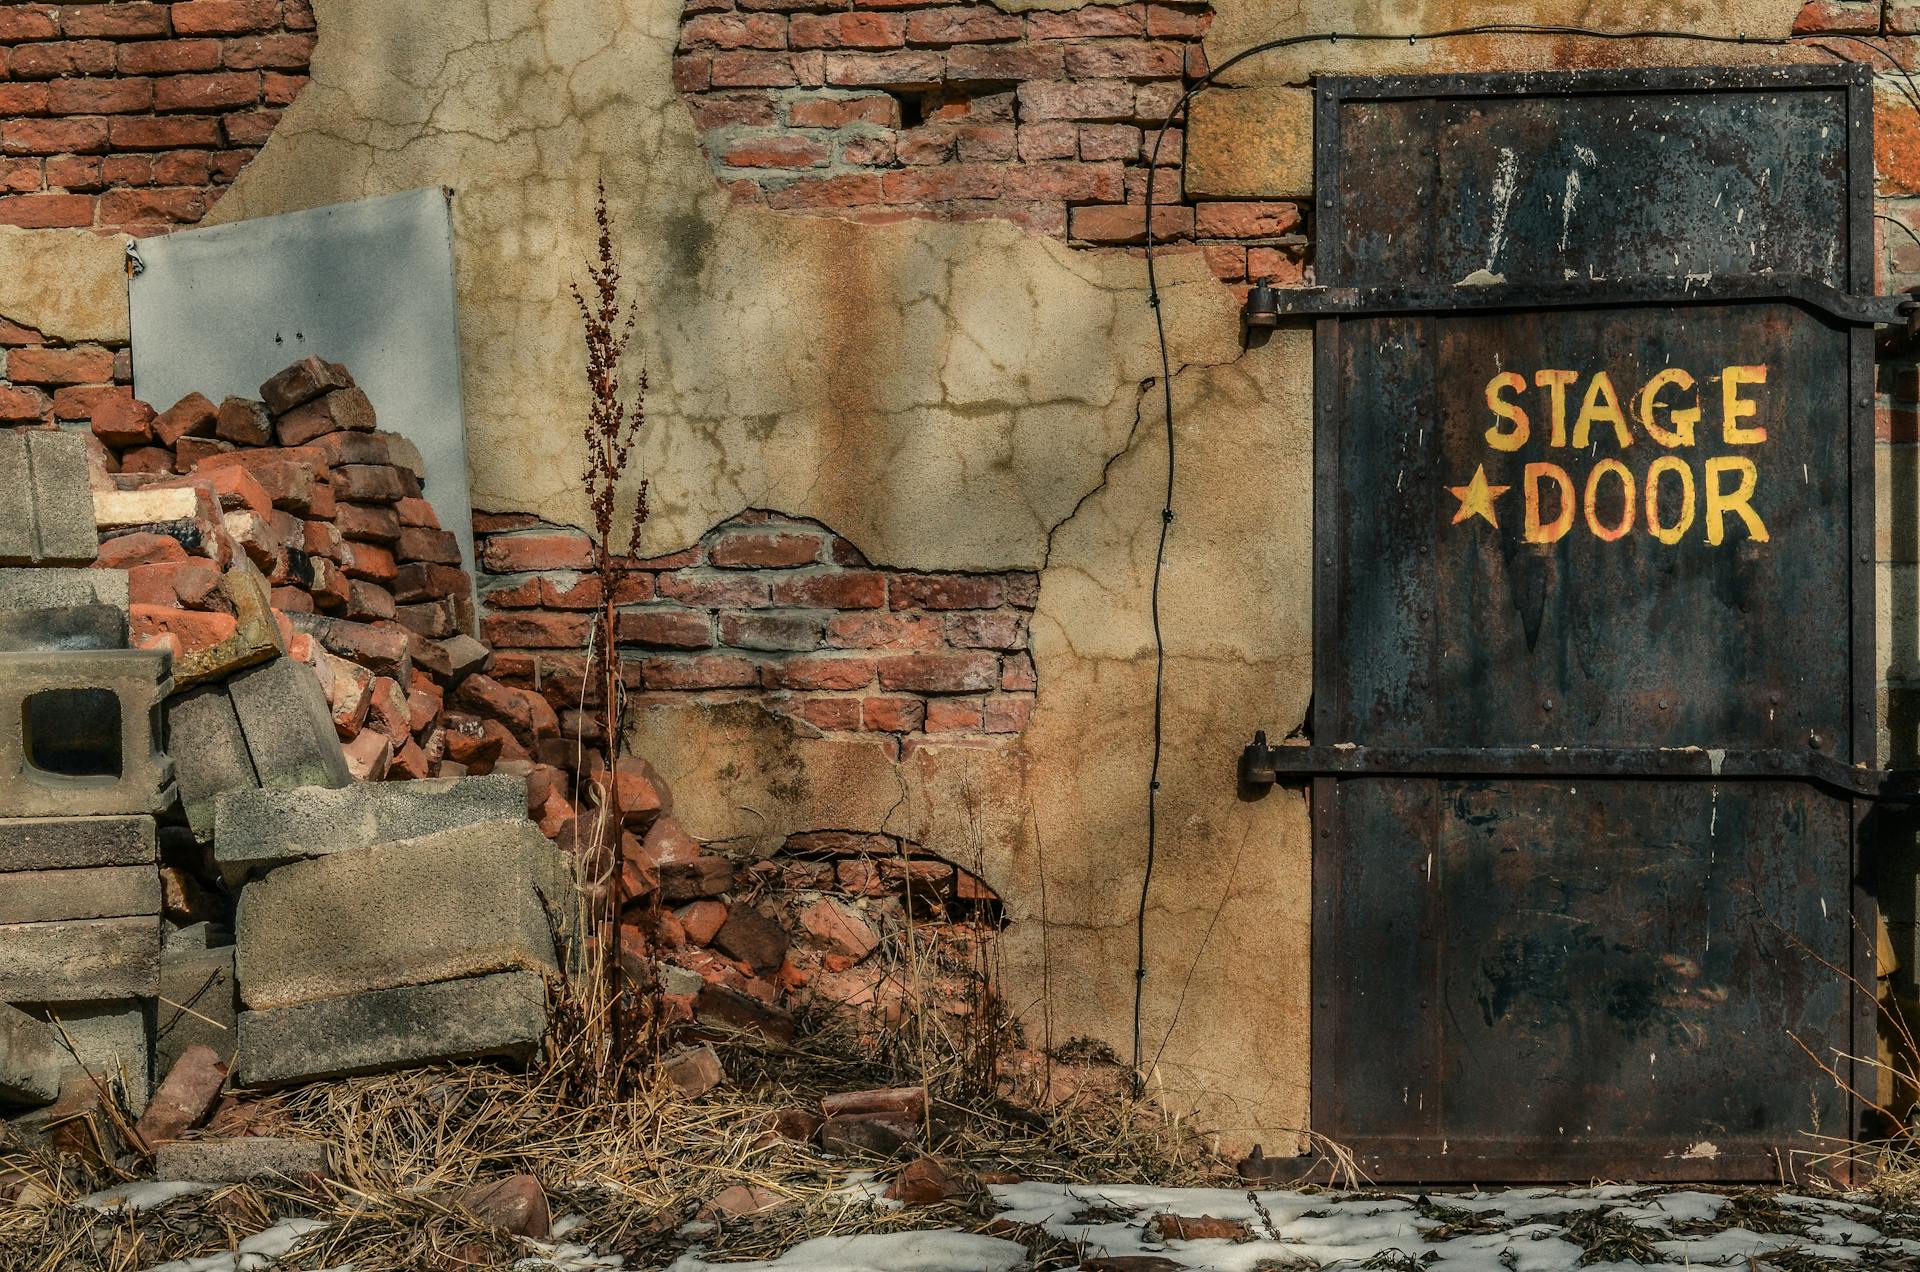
x=1166, y=357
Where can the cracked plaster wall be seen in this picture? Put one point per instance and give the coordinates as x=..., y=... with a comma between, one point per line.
x=948, y=397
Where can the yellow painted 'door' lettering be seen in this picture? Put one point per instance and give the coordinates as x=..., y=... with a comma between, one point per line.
x=1669, y=464
x=1607, y=534
x=1555, y=383
x=1734, y=408
x=1533, y=531
x=1684, y=418
x=1601, y=405
x=1514, y=438
x=1739, y=500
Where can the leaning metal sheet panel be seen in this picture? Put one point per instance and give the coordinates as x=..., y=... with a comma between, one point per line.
x=369, y=284
x=1633, y=526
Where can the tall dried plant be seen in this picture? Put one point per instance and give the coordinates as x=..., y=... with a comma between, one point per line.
x=612, y=426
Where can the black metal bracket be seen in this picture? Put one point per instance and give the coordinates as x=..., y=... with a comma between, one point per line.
x=1266, y=305
x=1263, y=765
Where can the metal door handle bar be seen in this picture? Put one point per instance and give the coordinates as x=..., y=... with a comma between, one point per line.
x=1264, y=765
x=1355, y=302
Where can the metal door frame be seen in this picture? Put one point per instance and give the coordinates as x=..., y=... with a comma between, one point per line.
x=1329, y=726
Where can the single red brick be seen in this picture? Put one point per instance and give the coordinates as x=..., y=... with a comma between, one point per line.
x=142, y=547
x=735, y=31
x=701, y=671
x=820, y=671
x=847, y=31
x=839, y=589
x=180, y=167
x=885, y=70
x=751, y=70
x=80, y=401
x=885, y=631
x=66, y=57
x=224, y=17
x=124, y=21
x=183, y=584
x=74, y=172
x=998, y=629
x=1124, y=59
x=534, y=630
x=297, y=15
x=1017, y=674
x=1090, y=100
x=23, y=99
x=1246, y=220
x=371, y=562
x=963, y=26
x=1073, y=182
x=46, y=211
x=157, y=207
x=511, y=554
x=775, y=152
x=995, y=62
x=892, y=715
x=954, y=715
x=13, y=335
x=939, y=673
x=1008, y=715
x=127, y=170
x=206, y=92
x=263, y=52
x=953, y=181
x=1279, y=264
x=1090, y=20
x=693, y=73
x=1175, y=22
x=850, y=189
x=1109, y=141
x=83, y=365
x=1127, y=223
x=22, y=406
x=664, y=628
x=20, y=23
x=279, y=88
x=122, y=421
x=826, y=713
x=150, y=626
x=736, y=591
x=837, y=112
x=765, y=549
x=167, y=57
x=1836, y=16
x=53, y=136
x=947, y=591
x=774, y=632
x=1228, y=261
x=134, y=133
x=750, y=110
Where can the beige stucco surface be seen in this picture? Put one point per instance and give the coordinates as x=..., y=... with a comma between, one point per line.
x=947, y=396
x=69, y=284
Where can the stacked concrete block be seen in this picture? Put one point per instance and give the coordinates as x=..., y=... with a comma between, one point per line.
x=46, y=507
x=198, y=1001
x=78, y=732
x=80, y=925
x=426, y=949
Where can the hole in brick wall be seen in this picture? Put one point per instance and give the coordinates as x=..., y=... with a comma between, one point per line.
x=72, y=732
x=913, y=109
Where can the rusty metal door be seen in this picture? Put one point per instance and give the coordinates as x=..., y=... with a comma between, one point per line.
x=1594, y=667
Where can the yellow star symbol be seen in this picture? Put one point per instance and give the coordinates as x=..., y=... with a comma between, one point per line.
x=1476, y=498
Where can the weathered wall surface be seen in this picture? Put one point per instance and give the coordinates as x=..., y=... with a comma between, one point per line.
x=951, y=389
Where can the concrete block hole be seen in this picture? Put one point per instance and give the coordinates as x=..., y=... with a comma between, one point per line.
x=72, y=732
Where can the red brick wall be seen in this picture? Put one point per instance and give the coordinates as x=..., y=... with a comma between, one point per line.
x=135, y=116
x=42, y=381
x=876, y=110
x=775, y=610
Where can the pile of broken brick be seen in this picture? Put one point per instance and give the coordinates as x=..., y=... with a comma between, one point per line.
x=191, y=878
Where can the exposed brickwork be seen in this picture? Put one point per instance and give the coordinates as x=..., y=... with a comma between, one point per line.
x=774, y=609
x=876, y=110
x=43, y=381
x=136, y=116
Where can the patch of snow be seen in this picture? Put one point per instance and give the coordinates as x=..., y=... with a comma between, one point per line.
x=140, y=1196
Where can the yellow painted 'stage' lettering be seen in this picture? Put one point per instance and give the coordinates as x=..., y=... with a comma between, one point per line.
x=1668, y=498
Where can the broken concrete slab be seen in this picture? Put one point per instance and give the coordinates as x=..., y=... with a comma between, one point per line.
x=31, y=1059
x=261, y=829
x=462, y=902
x=77, y=735
x=501, y=1016
x=234, y=1161
x=24, y=589
x=82, y=961
x=209, y=753
x=64, y=843
x=284, y=716
x=68, y=627
x=199, y=1004
x=46, y=508
x=104, y=892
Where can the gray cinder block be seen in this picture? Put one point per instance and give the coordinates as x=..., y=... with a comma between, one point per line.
x=289, y=730
x=54, y=588
x=31, y=1059
x=260, y=829
x=233, y=1161
x=458, y=903
x=198, y=1004
x=503, y=1016
x=46, y=505
x=209, y=753
x=113, y=1039
x=68, y=843
x=86, y=960
x=79, y=733
x=65, y=627
x=103, y=892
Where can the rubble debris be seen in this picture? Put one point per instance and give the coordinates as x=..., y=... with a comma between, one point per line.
x=516, y=1205
x=184, y=1099
x=199, y=1004
x=288, y=727
x=742, y=1200
x=694, y=1071
x=925, y=1181
x=501, y=1016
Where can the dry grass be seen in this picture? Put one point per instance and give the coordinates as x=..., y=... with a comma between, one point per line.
x=635, y=1166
